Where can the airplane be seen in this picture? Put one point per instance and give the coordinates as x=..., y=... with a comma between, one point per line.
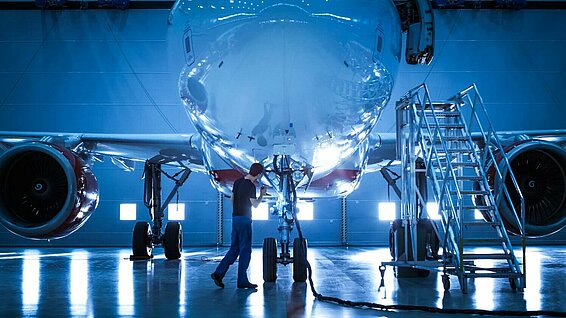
x=297, y=85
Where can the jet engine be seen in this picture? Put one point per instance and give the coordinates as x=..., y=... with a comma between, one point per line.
x=46, y=191
x=540, y=171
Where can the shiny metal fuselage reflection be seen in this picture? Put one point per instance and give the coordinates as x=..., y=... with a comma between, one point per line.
x=308, y=78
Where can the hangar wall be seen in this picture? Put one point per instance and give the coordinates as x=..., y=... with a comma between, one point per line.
x=110, y=71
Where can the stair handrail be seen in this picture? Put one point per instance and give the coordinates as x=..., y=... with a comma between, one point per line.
x=437, y=133
x=490, y=139
x=422, y=117
x=501, y=188
x=455, y=214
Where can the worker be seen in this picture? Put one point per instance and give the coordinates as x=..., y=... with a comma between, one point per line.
x=243, y=198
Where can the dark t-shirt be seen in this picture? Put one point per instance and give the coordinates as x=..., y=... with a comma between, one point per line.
x=242, y=191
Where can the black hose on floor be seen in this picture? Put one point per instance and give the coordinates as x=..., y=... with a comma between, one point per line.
x=362, y=304
x=349, y=303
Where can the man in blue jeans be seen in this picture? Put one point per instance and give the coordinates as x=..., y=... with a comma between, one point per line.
x=243, y=198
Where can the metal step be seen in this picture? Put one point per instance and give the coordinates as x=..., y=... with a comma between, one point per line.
x=494, y=275
x=442, y=113
x=486, y=256
x=449, y=138
x=489, y=269
x=469, y=178
x=478, y=207
x=456, y=163
x=438, y=105
x=483, y=240
x=456, y=150
x=464, y=164
x=446, y=126
x=470, y=192
x=481, y=223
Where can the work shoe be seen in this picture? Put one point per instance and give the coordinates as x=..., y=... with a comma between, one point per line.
x=247, y=285
x=217, y=280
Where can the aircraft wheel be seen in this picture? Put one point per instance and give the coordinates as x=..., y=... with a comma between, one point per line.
x=269, y=259
x=141, y=240
x=173, y=240
x=299, y=260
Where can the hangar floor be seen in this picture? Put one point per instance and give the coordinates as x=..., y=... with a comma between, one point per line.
x=102, y=282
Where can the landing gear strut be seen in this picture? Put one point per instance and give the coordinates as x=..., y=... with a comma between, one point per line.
x=286, y=210
x=146, y=237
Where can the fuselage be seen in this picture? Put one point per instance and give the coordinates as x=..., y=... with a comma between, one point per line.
x=305, y=78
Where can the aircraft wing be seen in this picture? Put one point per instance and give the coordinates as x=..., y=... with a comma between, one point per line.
x=557, y=136
x=186, y=148
x=382, y=146
x=123, y=149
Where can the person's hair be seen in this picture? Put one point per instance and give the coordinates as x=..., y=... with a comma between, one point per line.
x=256, y=169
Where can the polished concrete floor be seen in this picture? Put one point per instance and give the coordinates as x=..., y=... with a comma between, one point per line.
x=103, y=282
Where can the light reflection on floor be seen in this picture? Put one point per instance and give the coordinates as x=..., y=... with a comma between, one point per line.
x=126, y=302
x=78, y=284
x=30, y=282
x=534, y=281
x=103, y=282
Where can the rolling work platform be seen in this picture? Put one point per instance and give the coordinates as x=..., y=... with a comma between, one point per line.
x=458, y=146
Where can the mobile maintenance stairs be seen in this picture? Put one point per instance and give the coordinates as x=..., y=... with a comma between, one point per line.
x=465, y=178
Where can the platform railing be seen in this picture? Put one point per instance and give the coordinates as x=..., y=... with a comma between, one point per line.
x=494, y=157
x=424, y=134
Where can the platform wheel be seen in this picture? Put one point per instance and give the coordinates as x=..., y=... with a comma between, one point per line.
x=446, y=282
x=269, y=259
x=141, y=240
x=299, y=260
x=513, y=283
x=173, y=240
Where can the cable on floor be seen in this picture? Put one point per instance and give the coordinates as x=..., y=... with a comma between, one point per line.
x=362, y=304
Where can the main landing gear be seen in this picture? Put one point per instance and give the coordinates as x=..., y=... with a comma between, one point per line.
x=285, y=209
x=146, y=236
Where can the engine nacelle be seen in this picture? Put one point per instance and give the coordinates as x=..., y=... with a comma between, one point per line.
x=46, y=191
x=540, y=171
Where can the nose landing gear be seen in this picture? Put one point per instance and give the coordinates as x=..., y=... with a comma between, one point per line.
x=270, y=259
x=286, y=209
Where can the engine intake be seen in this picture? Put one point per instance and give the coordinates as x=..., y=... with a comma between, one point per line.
x=540, y=171
x=46, y=191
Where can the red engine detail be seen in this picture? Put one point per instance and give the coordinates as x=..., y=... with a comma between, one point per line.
x=46, y=191
x=336, y=176
x=227, y=176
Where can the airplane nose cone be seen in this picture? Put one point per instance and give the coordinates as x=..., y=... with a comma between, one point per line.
x=308, y=65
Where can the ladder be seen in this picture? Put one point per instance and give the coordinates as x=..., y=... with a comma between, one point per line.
x=466, y=179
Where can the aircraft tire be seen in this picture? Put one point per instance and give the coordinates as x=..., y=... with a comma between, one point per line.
x=173, y=240
x=299, y=260
x=269, y=259
x=141, y=240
